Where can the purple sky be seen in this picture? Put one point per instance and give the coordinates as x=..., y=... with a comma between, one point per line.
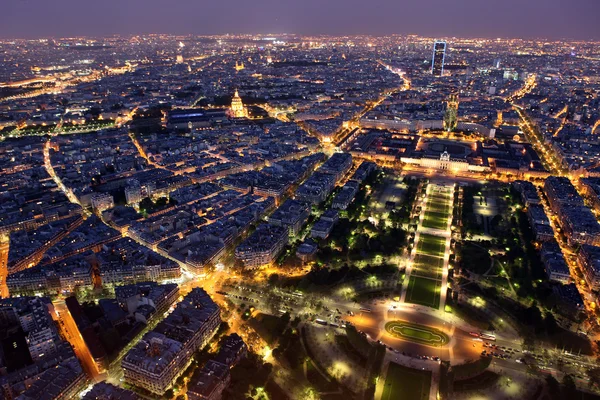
x=554, y=19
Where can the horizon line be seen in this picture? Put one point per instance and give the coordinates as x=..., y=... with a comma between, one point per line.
x=298, y=35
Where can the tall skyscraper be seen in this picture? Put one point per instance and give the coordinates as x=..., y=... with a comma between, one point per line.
x=437, y=62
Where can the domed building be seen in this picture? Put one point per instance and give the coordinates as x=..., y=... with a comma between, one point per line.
x=237, y=108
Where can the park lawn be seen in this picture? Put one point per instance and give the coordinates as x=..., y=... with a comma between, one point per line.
x=403, y=383
x=435, y=220
x=428, y=266
x=317, y=380
x=424, y=291
x=431, y=245
x=475, y=258
x=440, y=211
x=439, y=197
x=438, y=204
x=417, y=333
x=437, y=212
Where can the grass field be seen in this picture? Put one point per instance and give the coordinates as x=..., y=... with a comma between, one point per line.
x=424, y=291
x=403, y=383
x=417, y=333
x=428, y=266
x=437, y=211
x=425, y=280
x=435, y=220
x=431, y=245
x=438, y=204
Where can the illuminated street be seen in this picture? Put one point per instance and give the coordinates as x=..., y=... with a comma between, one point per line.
x=305, y=214
x=4, y=249
x=71, y=332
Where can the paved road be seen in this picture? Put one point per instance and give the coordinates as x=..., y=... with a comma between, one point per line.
x=4, y=249
x=69, y=328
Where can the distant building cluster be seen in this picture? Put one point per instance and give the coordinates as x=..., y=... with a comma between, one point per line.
x=130, y=163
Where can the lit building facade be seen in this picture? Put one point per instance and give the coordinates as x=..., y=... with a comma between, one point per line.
x=163, y=353
x=237, y=107
x=437, y=61
x=102, y=201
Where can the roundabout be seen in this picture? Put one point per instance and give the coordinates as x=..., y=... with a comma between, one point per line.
x=417, y=333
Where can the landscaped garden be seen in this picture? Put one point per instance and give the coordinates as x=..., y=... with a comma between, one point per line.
x=417, y=333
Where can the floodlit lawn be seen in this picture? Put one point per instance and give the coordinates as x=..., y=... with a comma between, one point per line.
x=431, y=245
x=428, y=266
x=417, y=333
x=435, y=220
x=441, y=206
x=437, y=212
x=424, y=291
x=403, y=383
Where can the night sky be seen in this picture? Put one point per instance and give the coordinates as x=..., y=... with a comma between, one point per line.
x=553, y=19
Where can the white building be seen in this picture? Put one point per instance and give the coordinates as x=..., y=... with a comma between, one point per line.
x=262, y=247
x=133, y=194
x=102, y=201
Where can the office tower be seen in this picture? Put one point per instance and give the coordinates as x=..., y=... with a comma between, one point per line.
x=437, y=62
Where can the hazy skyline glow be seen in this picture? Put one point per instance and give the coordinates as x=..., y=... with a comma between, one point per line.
x=552, y=19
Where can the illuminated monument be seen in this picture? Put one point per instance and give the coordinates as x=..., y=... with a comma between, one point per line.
x=451, y=114
x=437, y=62
x=237, y=107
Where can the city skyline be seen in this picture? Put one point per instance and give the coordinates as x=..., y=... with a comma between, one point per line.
x=551, y=20
x=299, y=216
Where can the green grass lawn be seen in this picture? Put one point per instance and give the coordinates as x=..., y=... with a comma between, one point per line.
x=439, y=197
x=424, y=291
x=428, y=266
x=417, y=333
x=431, y=245
x=438, y=205
x=437, y=212
x=435, y=220
x=403, y=383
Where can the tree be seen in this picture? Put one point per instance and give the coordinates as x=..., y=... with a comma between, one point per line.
x=534, y=316
x=569, y=389
x=550, y=323
x=146, y=204
x=553, y=387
